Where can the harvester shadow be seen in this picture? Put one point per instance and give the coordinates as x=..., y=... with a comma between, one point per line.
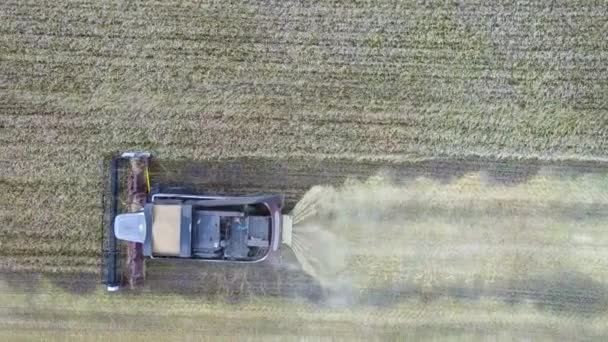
x=563, y=293
x=75, y=283
x=232, y=282
x=33, y=282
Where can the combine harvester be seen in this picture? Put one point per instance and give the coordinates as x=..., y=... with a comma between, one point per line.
x=160, y=222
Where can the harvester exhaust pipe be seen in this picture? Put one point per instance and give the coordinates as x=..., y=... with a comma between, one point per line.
x=287, y=223
x=136, y=155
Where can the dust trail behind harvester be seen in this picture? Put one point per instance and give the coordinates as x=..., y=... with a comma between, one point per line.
x=470, y=237
x=321, y=252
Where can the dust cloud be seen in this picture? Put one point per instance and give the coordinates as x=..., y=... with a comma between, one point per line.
x=465, y=239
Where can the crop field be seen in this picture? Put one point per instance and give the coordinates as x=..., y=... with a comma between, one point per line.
x=481, y=126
